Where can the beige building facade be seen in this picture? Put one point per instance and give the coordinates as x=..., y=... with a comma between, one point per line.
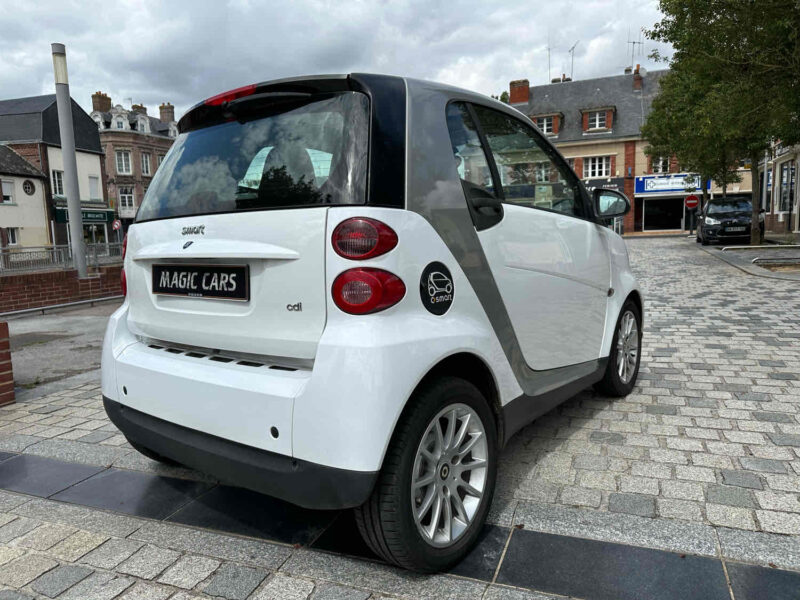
x=23, y=208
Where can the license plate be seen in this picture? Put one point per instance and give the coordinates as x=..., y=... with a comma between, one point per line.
x=225, y=282
x=735, y=228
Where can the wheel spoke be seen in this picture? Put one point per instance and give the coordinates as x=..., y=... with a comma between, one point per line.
x=475, y=463
x=423, y=509
x=461, y=512
x=476, y=437
x=462, y=432
x=469, y=489
x=436, y=513
x=427, y=480
x=447, y=516
x=452, y=419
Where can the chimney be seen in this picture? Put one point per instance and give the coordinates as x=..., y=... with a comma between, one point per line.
x=519, y=91
x=139, y=108
x=167, y=112
x=563, y=77
x=628, y=70
x=637, y=79
x=101, y=102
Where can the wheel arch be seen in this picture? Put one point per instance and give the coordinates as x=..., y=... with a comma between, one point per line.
x=467, y=366
x=636, y=298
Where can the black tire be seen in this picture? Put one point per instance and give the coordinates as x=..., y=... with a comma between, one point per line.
x=704, y=241
x=612, y=384
x=153, y=455
x=385, y=521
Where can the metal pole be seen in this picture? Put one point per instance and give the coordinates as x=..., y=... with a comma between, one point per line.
x=68, y=156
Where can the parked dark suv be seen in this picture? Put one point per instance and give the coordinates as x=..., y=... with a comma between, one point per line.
x=726, y=219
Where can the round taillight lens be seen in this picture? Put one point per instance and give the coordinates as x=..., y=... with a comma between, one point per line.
x=360, y=238
x=123, y=282
x=363, y=291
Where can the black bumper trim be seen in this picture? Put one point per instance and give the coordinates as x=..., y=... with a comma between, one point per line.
x=300, y=482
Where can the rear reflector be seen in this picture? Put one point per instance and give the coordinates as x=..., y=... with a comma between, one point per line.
x=219, y=99
x=362, y=291
x=361, y=238
x=123, y=282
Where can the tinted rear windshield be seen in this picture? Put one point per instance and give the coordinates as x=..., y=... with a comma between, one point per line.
x=312, y=152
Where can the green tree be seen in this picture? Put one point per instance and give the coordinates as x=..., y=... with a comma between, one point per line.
x=741, y=61
x=503, y=97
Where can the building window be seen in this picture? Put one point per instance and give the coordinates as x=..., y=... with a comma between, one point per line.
x=126, y=197
x=596, y=166
x=145, y=163
x=28, y=187
x=8, y=192
x=120, y=124
x=660, y=164
x=13, y=238
x=786, y=197
x=58, y=183
x=545, y=124
x=160, y=159
x=143, y=126
x=123, y=162
x=173, y=131
x=597, y=119
x=94, y=188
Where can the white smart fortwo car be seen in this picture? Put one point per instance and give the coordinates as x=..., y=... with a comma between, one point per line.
x=351, y=291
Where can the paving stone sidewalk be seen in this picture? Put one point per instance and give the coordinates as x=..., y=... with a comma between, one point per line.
x=703, y=457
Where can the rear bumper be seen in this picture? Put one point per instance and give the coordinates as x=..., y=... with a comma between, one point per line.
x=300, y=482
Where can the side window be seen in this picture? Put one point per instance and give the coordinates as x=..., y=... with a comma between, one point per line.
x=529, y=172
x=473, y=167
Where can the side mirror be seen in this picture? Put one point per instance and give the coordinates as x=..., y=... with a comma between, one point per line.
x=610, y=203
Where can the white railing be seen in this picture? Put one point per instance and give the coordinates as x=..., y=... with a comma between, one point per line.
x=40, y=258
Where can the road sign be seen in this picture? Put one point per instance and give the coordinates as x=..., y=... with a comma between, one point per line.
x=117, y=224
x=692, y=201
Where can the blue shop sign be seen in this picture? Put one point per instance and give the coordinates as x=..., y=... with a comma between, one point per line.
x=678, y=183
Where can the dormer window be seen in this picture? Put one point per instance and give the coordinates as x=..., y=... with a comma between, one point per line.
x=120, y=124
x=545, y=124
x=597, y=119
x=99, y=120
x=173, y=131
x=143, y=126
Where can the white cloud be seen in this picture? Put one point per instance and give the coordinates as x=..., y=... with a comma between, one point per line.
x=184, y=51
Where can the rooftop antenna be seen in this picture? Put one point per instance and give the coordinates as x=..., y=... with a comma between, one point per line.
x=572, y=53
x=635, y=43
x=549, y=76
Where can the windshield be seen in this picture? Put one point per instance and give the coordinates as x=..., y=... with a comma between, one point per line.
x=728, y=206
x=311, y=154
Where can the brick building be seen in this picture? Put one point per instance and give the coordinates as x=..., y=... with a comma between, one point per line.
x=135, y=144
x=596, y=124
x=780, y=198
x=29, y=126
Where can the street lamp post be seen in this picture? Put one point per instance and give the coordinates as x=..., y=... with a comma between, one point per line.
x=67, y=136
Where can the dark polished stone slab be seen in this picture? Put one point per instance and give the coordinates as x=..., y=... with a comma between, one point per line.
x=605, y=571
x=40, y=476
x=134, y=493
x=750, y=582
x=244, y=512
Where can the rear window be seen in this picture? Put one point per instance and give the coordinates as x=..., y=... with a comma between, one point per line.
x=304, y=154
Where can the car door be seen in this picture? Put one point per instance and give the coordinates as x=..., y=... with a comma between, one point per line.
x=548, y=257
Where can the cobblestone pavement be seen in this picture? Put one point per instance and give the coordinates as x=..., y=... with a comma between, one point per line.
x=703, y=458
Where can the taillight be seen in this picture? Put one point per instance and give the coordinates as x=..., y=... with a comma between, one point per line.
x=360, y=238
x=124, y=246
x=361, y=291
x=219, y=99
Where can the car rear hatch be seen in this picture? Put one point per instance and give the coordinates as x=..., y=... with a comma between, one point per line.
x=228, y=248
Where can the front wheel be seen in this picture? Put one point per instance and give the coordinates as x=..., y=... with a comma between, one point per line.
x=437, y=481
x=623, y=360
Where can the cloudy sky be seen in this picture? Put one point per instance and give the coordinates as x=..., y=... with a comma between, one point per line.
x=182, y=52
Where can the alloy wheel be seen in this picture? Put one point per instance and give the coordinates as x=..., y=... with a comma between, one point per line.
x=627, y=346
x=450, y=475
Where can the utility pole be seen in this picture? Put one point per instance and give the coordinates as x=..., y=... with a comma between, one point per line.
x=67, y=136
